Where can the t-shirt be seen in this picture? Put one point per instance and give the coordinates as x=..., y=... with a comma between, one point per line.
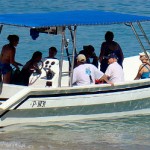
x=115, y=72
x=86, y=74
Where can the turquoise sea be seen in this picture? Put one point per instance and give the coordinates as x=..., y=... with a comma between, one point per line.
x=121, y=134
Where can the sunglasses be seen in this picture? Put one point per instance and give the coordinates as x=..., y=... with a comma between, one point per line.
x=142, y=56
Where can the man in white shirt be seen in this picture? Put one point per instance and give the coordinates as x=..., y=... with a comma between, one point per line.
x=114, y=72
x=86, y=74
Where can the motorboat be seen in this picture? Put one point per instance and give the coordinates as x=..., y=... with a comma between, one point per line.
x=52, y=97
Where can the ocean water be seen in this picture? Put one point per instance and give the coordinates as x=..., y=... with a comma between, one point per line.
x=93, y=35
x=120, y=134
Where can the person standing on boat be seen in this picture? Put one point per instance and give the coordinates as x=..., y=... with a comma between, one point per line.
x=108, y=47
x=7, y=58
x=114, y=71
x=144, y=69
x=86, y=74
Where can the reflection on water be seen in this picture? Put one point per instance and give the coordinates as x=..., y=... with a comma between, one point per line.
x=129, y=133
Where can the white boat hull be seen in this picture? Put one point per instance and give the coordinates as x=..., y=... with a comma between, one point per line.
x=49, y=95
x=99, y=102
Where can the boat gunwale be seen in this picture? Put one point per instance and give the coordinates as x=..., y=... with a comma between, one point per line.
x=72, y=91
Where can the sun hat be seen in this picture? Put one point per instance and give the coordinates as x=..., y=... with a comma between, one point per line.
x=81, y=58
x=145, y=56
x=143, y=53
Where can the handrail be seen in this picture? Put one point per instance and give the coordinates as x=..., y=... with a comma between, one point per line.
x=141, y=28
x=73, y=55
x=133, y=29
x=62, y=57
x=15, y=99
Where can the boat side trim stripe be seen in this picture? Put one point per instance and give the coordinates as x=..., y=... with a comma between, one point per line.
x=85, y=110
x=73, y=94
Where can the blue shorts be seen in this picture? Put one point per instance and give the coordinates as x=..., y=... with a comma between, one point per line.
x=5, y=68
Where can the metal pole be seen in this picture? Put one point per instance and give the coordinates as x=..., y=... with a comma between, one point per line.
x=61, y=59
x=72, y=36
x=141, y=28
x=67, y=52
x=139, y=40
x=73, y=55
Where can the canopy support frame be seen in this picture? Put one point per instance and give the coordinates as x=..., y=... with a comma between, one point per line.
x=138, y=38
x=71, y=61
x=62, y=58
x=73, y=34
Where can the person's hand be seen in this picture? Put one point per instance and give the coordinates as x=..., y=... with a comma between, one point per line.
x=111, y=83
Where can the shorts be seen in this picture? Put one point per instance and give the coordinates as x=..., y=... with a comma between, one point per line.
x=5, y=68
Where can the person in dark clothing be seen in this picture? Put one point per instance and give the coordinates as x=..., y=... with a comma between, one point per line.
x=30, y=67
x=108, y=47
x=89, y=53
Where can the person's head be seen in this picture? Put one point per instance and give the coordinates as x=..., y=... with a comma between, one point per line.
x=109, y=36
x=52, y=52
x=13, y=39
x=81, y=59
x=89, y=51
x=37, y=56
x=144, y=57
x=112, y=58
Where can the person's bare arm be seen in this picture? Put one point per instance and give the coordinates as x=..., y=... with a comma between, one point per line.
x=12, y=58
x=105, y=78
x=19, y=64
x=140, y=71
x=121, y=53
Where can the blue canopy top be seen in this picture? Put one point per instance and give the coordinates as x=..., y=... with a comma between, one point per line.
x=69, y=18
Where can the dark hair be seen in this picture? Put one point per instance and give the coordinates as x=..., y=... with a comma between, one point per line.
x=89, y=49
x=36, y=54
x=53, y=49
x=13, y=38
x=109, y=36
